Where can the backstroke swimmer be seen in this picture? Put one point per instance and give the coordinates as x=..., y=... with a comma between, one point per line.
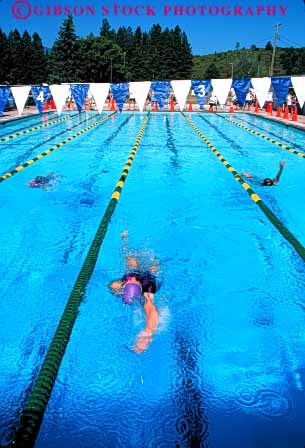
x=268, y=182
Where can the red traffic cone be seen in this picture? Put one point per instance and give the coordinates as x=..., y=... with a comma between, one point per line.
x=286, y=113
x=172, y=106
x=190, y=106
x=52, y=104
x=278, y=112
x=256, y=107
x=112, y=104
x=295, y=114
x=231, y=108
x=271, y=109
x=46, y=105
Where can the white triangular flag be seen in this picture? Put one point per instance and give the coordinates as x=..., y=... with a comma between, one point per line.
x=298, y=84
x=139, y=91
x=261, y=88
x=20, y=95
x=181, y=90
x=60, y=93
x=100, y=91
x=221, y=88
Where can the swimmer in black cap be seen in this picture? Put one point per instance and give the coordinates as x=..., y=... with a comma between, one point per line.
x=268, y=182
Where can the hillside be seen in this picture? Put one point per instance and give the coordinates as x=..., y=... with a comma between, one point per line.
x=249, y=63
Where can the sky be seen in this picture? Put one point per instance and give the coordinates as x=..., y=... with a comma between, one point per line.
x=211, y=25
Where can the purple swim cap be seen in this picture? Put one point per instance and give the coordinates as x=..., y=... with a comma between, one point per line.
x=131, y=292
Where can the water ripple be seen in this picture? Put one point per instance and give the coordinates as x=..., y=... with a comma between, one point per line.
x=267, y=402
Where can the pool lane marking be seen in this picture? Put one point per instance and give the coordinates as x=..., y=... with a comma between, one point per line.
x=53, y=148
x=253, y=195
x=258, y=134
x=35, y=128
x=34, y=410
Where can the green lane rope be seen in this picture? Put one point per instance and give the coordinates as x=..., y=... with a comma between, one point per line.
x=35, y=128
x=34, y=410
x=254, y=196
x=53, y=148
x=258, y=134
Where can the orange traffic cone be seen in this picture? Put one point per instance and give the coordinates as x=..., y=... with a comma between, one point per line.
x=190, y=106
x=295, y=114
x=271, y=108
x=112, y=104
x=285, y=116
x=46, y=105
x=231, y=108
x=172, y=106
x=278, y=112
x=256, y=107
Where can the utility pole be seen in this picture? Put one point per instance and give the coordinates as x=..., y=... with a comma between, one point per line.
x=111, y=70
x=232, y=69
x=276, y=36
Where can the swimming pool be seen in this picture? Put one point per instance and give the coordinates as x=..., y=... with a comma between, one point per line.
x=226, y=366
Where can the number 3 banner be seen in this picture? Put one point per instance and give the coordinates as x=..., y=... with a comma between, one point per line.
x=201, y=90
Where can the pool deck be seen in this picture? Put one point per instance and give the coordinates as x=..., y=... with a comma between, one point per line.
x=300, y=123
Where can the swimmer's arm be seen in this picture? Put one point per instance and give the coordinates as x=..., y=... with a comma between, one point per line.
x=277, y=177
x=144, y=338
x=116, y=286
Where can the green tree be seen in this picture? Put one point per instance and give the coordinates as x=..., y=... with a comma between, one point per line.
x=106, y=31
x=99, y=60
x=39, y=60
x=269, y=46
x=25, y=76
x=15, y=65
x=136, y=56
x=212, y=72
x=63, y=60
x=155, y=49
x=4, y=52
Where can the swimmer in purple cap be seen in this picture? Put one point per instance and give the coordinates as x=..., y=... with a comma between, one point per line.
x=131, y=293
x=132, y=287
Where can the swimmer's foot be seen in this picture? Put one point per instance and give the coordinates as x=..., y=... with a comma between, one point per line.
x=143, y=341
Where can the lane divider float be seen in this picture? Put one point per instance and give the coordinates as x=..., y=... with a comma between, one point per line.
x=33, y=413
x=35, y=128
x=258, y=134
x=53, y=148
x=270, y=132
x=253, y=195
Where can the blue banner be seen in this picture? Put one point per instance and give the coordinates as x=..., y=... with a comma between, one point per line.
x=241, y=87
x=119, y=92
x=201, y=90
x=281, y=88
x=160, y=91
x=40, y=94
x=79, y=92
x=4, y=92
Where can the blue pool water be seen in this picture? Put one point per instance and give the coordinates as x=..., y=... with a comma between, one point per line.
x=226, y=366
